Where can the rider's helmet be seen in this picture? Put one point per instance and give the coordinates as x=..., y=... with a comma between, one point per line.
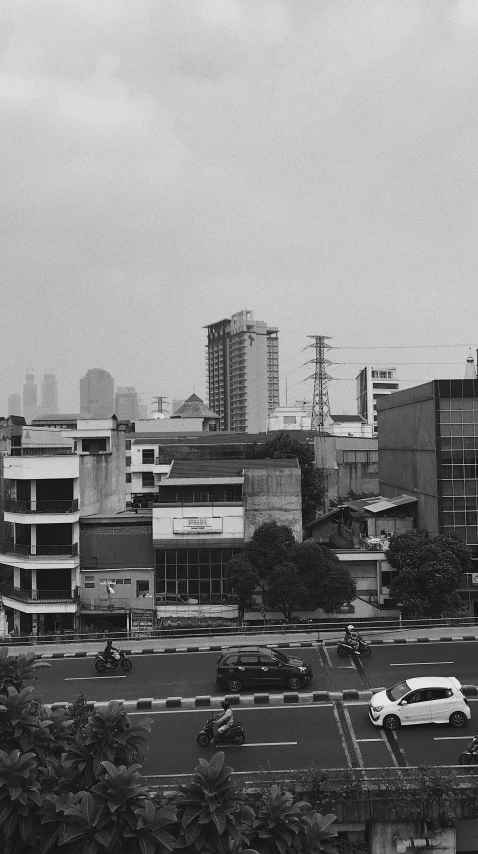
x=224, y=704
x=350, y=628
x=109, y=642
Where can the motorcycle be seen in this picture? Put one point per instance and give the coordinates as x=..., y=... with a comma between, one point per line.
x=470, y=755
x=235, y=735
x=344, y=648
x=119, y=659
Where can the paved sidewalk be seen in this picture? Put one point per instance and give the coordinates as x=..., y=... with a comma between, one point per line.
x=217, y=642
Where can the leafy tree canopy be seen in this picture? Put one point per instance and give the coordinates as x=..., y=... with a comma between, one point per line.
x=313, y=485
x=429, y=571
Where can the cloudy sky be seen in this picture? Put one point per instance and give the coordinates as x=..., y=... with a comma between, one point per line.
x=165, y=163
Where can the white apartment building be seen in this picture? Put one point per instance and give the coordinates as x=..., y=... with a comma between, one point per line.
x=373, y=383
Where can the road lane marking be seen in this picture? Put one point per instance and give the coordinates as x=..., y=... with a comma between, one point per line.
x=262, y=744
x=452, y=738
x=82, y=678
x=415, y=663
x=369, y=739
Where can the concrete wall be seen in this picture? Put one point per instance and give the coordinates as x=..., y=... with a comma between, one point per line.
x=42, y=468
x=226, y=520
x=407, y=451
x=103, y=479
x=272, y=496
x=344, y=477
x=126, y=544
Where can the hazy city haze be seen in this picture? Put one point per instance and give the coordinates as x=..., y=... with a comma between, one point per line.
x=166, y=164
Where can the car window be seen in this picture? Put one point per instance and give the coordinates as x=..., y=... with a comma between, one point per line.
x=398, y=691
x=440, y=693
x=231, y=660
x=249, y=659
x=417, y=697
x=280, y=656
x=266, y=660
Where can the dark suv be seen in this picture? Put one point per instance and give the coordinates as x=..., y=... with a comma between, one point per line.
x=253, y=666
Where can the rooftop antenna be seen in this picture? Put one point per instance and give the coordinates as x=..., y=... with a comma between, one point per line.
x=320, y=400
x=159, y=401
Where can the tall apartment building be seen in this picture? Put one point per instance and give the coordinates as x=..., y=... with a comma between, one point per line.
x=126, y=403
x=97, y=394
x=49, y=395
x=30, y=398
x=242, y=372
x=373, y=383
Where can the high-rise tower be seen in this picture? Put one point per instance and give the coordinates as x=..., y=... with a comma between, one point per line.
x=373, y=383
x=49, y=394
x=30, y=398
x=126, y=403
x=242, y=372
x=97, y=394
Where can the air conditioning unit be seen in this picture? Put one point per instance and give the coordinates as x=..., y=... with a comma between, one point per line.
x=474, y=578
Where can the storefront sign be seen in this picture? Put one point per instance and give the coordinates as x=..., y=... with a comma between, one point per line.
x=141, y=622
x=198, y=525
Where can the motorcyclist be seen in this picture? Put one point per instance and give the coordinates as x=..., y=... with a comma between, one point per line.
x=110, y=652
x=225, y=721
x=351, y=637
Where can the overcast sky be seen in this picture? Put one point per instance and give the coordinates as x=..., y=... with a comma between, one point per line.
x=166, y=163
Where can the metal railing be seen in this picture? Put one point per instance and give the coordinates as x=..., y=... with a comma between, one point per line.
x=13, y=505
x=37, y=595
x=44, y=451
x=61, y=550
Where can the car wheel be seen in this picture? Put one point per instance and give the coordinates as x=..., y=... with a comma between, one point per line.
x=294, y=683
x=234, y=685
x=457, y=719
x=391, y=722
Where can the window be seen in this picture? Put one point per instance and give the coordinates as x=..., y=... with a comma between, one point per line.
x=249, y=659
x=127, y=445
x=93, y=446
x=128, y=477
x=128, y=461
x=147, y=479
x=417, y=697
x=142, y=587
x=440, y=693
x=290, y=419
x=231, y=661
x=148, y=455
x=89, y=581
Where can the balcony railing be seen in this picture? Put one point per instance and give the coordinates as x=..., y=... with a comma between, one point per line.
x=38, y=595
x=61, y=550
x=44, y=451
x=12, y=505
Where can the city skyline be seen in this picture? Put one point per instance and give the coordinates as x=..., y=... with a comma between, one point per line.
x=314, y=161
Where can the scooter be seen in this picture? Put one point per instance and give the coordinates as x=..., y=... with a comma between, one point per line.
x=470, y=755
x=119, y=658
x=235, y=735
x=344, y=649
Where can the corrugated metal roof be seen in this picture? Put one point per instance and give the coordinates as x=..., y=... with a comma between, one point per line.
x=203, y=481
x=225, y=468
x=378, y=506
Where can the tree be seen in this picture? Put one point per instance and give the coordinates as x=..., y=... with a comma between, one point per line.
x=292, y=576
x=429, y=571
x=313, y=483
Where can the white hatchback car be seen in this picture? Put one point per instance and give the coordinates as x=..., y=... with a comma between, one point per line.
x=422, y=700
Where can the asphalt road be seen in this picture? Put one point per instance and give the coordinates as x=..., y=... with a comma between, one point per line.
x=327, y=735
x=185, y=674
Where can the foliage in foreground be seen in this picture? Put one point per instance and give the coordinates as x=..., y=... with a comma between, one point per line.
x=71, y=783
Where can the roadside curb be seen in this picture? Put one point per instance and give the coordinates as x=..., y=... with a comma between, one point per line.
x=279, y=645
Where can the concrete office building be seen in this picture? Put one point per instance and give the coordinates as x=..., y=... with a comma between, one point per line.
x=126, y=403
x=97, y=394
x=30, y=398
x=373, y=383
x=49, y=394
x=242, y=372
x=428, y=448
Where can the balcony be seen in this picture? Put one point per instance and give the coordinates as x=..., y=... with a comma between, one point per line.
x=18, y=593
x=12, y=505
x=62, y=550
x=44, y=451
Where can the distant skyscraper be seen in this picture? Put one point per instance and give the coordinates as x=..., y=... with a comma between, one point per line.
x=49, y=395
x=242, y=372
x=373, y=383
x=30, y=400
x=126, y=403
x=14, y=405
x=97, y=394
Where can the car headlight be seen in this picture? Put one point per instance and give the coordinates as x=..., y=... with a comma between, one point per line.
x=376, y=708
x=303, y=669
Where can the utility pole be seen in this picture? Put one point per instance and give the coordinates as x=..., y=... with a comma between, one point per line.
x=320, y=401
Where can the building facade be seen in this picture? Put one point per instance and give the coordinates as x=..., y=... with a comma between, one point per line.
x=350, y=465
x=97, y=394
x=242, y=364
x=14, y=404
x=48, y=477
x=49, y=394
x=428, y=447
x=372, y=384
x=126, y=404
x=30, y=398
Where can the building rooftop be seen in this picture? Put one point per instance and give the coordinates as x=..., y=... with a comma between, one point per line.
x=194, y=407
x=224, y=468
